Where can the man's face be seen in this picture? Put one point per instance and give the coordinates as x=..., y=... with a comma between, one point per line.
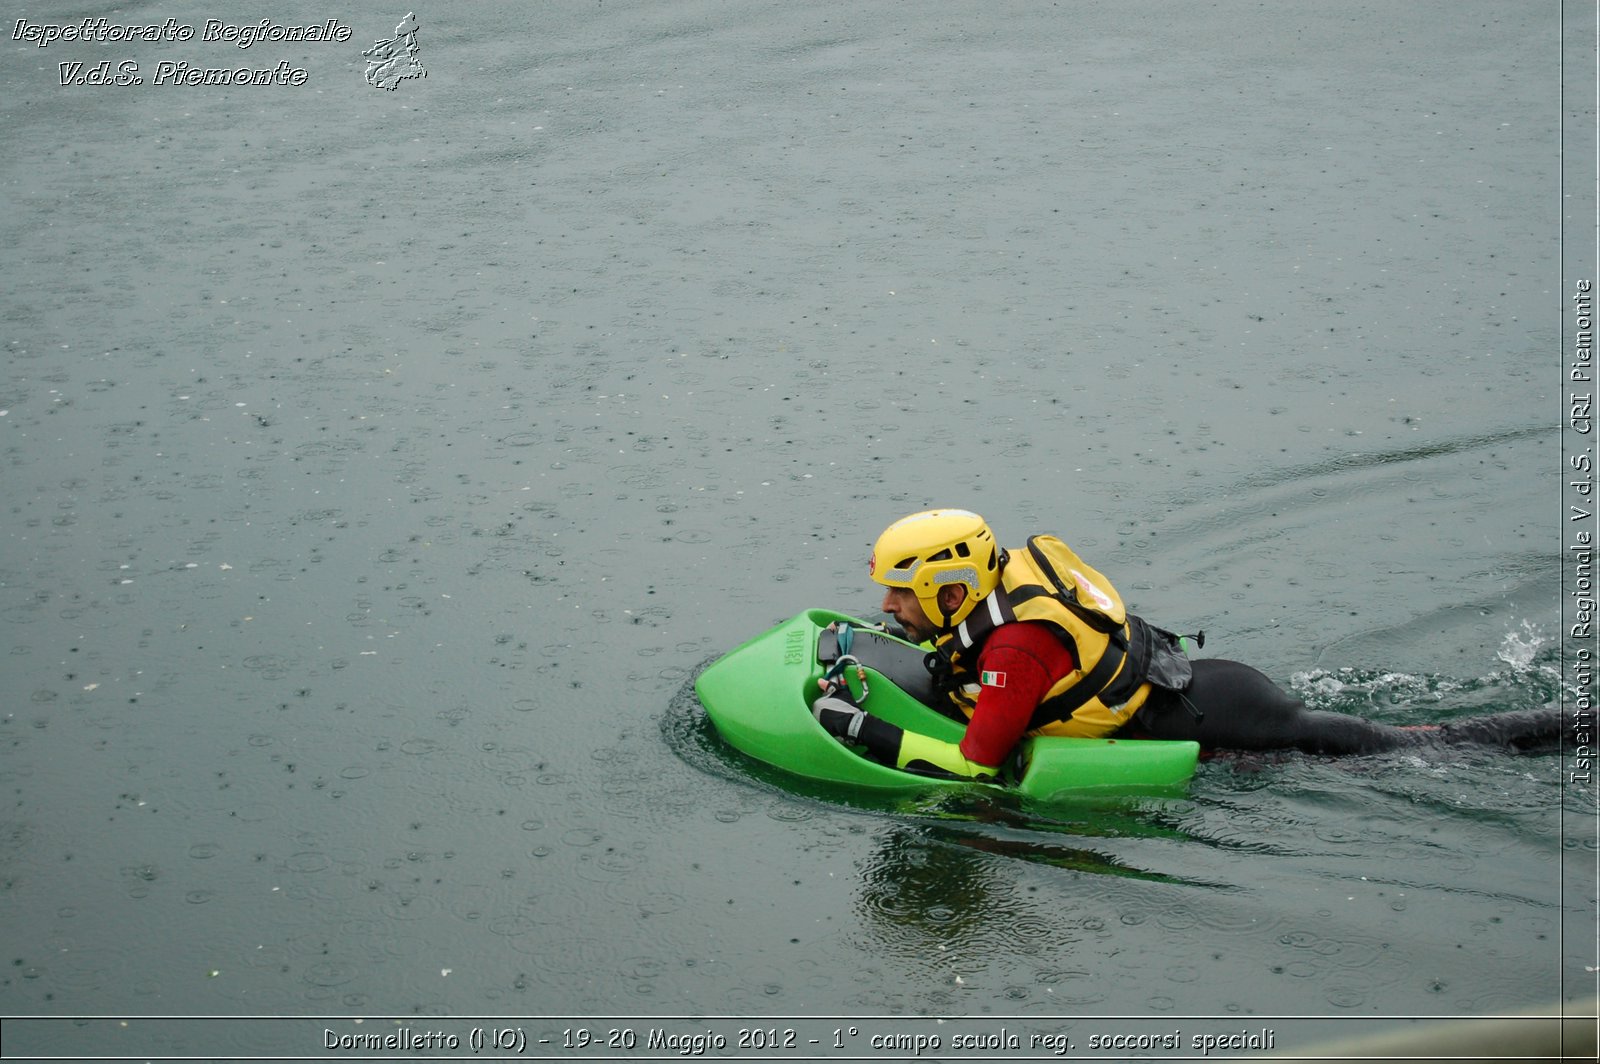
x=901, y=604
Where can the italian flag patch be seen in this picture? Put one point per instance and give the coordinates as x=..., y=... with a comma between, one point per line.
x=992, y=679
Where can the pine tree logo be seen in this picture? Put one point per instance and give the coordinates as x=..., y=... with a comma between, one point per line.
x=393, y=61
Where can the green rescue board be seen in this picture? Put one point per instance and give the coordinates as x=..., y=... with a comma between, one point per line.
x=759, y=697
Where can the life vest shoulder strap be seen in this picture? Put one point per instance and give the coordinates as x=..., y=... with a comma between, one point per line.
x=1093, y=684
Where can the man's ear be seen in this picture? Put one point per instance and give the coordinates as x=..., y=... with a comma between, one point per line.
x=951, y=596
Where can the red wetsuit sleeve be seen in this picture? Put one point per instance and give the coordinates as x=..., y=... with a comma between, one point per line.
x=1019, y=664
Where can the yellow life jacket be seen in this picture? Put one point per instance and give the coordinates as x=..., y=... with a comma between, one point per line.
x=1112, y=649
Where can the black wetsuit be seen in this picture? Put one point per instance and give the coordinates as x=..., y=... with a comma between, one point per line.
x=1232, y=706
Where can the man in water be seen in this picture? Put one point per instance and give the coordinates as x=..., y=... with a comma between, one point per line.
x=1032, y=641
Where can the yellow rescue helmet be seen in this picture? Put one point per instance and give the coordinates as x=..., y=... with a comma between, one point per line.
x=926, y=551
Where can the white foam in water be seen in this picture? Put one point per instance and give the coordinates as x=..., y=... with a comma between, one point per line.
x=1323, y=684
x=1519, y=651
x=1322, y=690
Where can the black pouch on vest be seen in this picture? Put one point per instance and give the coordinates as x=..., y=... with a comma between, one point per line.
x=1158, y=655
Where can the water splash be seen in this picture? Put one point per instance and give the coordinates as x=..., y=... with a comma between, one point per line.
x=1529, y=679
x=1521, y=649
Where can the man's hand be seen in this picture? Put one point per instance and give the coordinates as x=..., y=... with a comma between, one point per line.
x=838, y=718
